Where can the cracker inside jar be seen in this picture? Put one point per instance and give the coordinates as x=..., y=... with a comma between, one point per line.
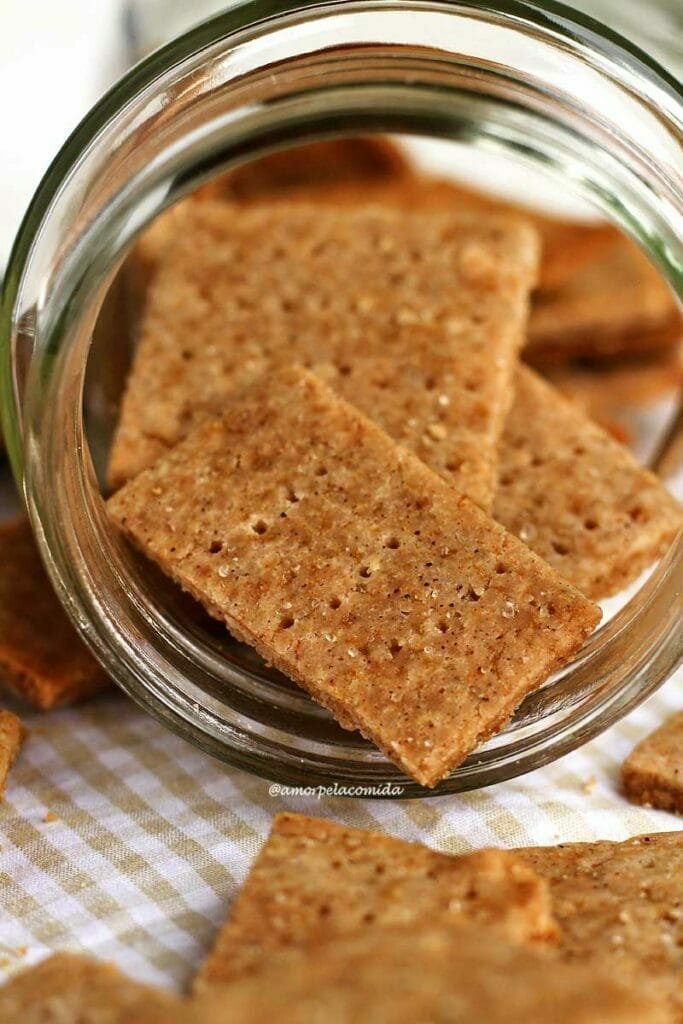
x=327, y=384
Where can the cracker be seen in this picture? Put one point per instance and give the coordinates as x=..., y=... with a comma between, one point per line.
x=315, y=880
x=576, y=496
x=621, y=905
x=653, y=772
x=12, y=735
x=41, y=657
x=618, y=304
x=70, y=989
x=416, y=319
x=314, y=170
x=566, y=246
x=354, y=569
x=425, y=973
x=612, y=387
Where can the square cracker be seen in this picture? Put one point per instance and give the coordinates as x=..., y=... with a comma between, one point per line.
x=70, y=989
x=617, y=304
x=420, y=975
x=415, y=318
x=620, y=905
x=314, y=170
x=653, y=772
x=12, y=735
x=355, y=570
x=315, y=880
x=576, y=496
x=360, y=170
x=41, y=657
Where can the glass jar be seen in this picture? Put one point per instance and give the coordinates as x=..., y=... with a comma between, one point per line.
x=530, y=80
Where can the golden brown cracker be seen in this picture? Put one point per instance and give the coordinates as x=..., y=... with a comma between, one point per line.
x=576, y=496
x=356, y=570
x=423, y=973
x=314, y=170
x=615, y=387
x=378, y=176
x=618, y=304
x=417, y=320
x=620, y=906
x=315, y=880
x=70, y=989
x=12, y=735
x=653, y=772
x=42, y=658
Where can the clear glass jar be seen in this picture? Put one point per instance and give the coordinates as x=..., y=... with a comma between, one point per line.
x=531, y=80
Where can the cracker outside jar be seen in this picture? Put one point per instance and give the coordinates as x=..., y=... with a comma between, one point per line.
x=535, y=81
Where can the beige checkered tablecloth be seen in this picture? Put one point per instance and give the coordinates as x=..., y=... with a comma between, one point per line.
x=120, y=839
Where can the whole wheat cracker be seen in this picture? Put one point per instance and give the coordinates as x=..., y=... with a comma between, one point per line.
x=415, y=319
x=612, y=388
x=42, y=658
x=356, y=570
x=360, y=176
x=620, y=905
x=617, y=304
x=576, y=496
x=67, y=988
x=12, y=736
x=566, y=245
x=420, y=975
x=313, y=170
x=653, y=772
x=315, y=880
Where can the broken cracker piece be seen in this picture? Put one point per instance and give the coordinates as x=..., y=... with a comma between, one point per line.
x=41, y=657
x=314, y=880
x=618, y=304
x=576, y=496
x=12, y=735
x=415, y=318
x=620, y=906
x=355, y=570
x=423, y=973
x=70, y=989
x=653, y=772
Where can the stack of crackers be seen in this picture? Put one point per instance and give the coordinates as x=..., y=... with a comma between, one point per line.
x=329, y=440
x=339, y=925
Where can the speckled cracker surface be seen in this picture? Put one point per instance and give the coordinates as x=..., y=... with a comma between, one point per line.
x=421, y=975
x=358, y=170
x=415, y=318
x=41, y=657
x=614, y=305
x=315, y=170
x=12, y=734
x=355, y=570
x=315, y=879
x=615, y=386
x=653, y=772
x=621, y=905
x=576, y=496
x=71, y=989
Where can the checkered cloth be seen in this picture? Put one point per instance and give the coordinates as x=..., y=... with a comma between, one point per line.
x=122, y=840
